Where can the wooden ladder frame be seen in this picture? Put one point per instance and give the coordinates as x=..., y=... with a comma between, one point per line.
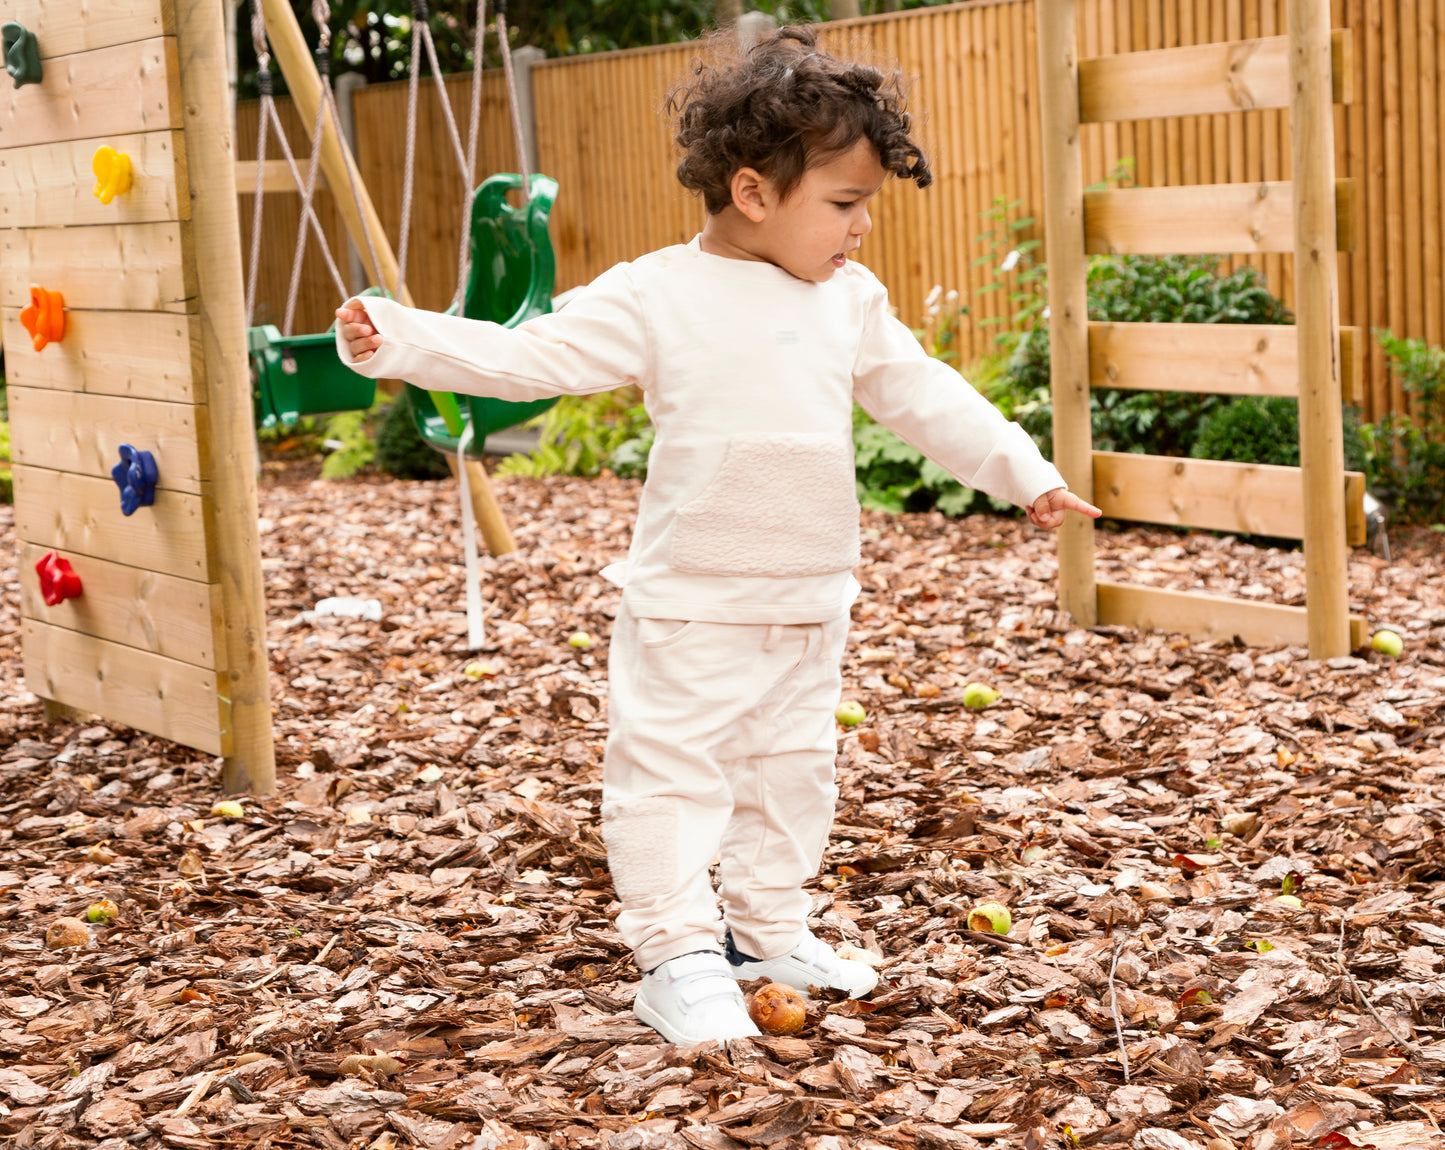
x=1311, y=216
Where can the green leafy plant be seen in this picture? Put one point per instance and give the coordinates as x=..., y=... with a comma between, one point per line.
x=7, y=481
x=1405, y=451
x=1009, y=253
x=1265, y=429
x=400, y=449
x=350, y=443
x=582, y=434
x=1159, y=289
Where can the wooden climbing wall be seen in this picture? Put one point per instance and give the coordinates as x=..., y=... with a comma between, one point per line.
x=168, y=632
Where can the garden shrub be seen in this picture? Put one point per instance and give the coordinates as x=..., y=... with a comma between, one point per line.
x=400, y=449
x=1132, y=289
x=1405, y=451
x=1265, y=429
x=582, y=434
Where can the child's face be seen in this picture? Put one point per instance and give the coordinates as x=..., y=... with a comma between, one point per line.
x=811, y=232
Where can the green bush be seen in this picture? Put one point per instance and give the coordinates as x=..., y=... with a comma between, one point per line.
x=400, y=449
x=582, y=434
x=1405, y=452
x=1265, y=429
x=1128, y=289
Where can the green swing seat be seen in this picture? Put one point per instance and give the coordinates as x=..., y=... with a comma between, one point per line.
x=301, y=375
x=513, y=270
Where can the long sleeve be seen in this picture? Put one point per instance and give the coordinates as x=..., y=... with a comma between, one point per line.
x=598, y=342
x=933, y=408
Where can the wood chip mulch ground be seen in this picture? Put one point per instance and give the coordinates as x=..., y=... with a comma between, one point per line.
x=410, y=944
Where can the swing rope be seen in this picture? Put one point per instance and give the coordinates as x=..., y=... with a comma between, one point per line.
x=513, y=102
x=421, y=37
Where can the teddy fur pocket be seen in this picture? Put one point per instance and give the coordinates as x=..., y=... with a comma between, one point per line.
x=782, y=505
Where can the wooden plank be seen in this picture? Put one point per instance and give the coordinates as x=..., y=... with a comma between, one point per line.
x=1068, y=306
x=110, y=91
x=126, y=267
x=1425, y=155
x=177, y=701
x=277, y=178
x=176, y=618
x=1353, y=341
x=1217, y=617
x=71, y=431
x=1317, y=313
x=1217, y=359
x=1409, y=174
x=53, y=185
x=1201, y=79
x=81, y=514
x=1204, y=219
x=1213, y=495
x=143, y=355
x=1214, y=359
x=214, y=252
x=62, y=29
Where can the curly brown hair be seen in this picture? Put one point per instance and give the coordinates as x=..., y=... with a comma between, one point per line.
x=785, y=106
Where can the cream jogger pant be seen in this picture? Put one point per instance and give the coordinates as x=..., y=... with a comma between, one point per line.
x=721, y=741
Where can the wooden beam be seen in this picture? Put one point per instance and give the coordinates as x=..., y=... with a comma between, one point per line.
x=176, y=618
x=140, y=354
x=1316, y=278
x=213, y=248
x=1210, y=358
x=177, y=701
x=80, y=513
x=1197, y=80
x=125, y=267
x=1211, y=494
x=1068, y=305
x=53, y=185
x=1202, y=219
x=1216, y=617
x=71, y=431
x=106, y=92
x=62, y=29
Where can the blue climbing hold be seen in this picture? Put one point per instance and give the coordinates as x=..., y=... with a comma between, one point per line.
x=136, y=476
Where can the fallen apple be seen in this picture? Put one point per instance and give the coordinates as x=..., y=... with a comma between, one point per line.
x=475, y=672
x=849, y=713
x=1387, y=643
x=228, y=809
x=1289, y=900
x=978, y=695
x=64, y=933
x=580, y=640
x=103, y=911
x=991, y=917
x=778, y=1009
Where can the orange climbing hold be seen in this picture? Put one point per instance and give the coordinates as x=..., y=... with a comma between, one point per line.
x=112, y=173
x=44, y=319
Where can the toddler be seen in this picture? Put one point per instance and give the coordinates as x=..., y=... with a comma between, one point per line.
x=750, y=345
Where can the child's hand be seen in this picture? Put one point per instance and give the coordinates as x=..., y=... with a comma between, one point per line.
x=1049, y=508
x=360, y=337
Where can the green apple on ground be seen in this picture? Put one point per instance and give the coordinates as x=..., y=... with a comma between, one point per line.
x=992, y=917
x=228, y=809
x=849, y=713
x=978, y=695
x=581, y=640
x=1387, y=643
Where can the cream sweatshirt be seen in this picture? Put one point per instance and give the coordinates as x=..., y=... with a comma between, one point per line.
x=750, y=511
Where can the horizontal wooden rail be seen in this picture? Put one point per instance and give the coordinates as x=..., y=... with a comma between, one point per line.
x=120, y=267
x=146, y=610
x=139, y=354
x=52, y=185
x=1199, y=79
x=1206, y=616
x=278, y=176
x=1245, y=498
x=178, y=701
x=1212, y=358
x=1204, y=219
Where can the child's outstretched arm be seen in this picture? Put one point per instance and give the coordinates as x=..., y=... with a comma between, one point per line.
x=1049, y=509
x=356, y=329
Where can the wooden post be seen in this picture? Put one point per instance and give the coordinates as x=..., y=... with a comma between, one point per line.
x=1068, y=302
x=359, y=215
x=1312, y=156
x=216, y=238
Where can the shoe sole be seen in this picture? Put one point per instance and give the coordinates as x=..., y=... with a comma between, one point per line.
x=803, y=984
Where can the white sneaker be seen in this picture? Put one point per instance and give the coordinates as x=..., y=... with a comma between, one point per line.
x=693, y=999
x=812, y=963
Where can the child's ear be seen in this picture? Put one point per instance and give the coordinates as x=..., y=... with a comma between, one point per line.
x=749, y=194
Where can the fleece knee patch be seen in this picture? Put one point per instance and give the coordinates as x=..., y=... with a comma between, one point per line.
x=641, y=837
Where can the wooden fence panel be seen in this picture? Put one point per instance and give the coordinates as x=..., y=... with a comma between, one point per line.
x=602, y=134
